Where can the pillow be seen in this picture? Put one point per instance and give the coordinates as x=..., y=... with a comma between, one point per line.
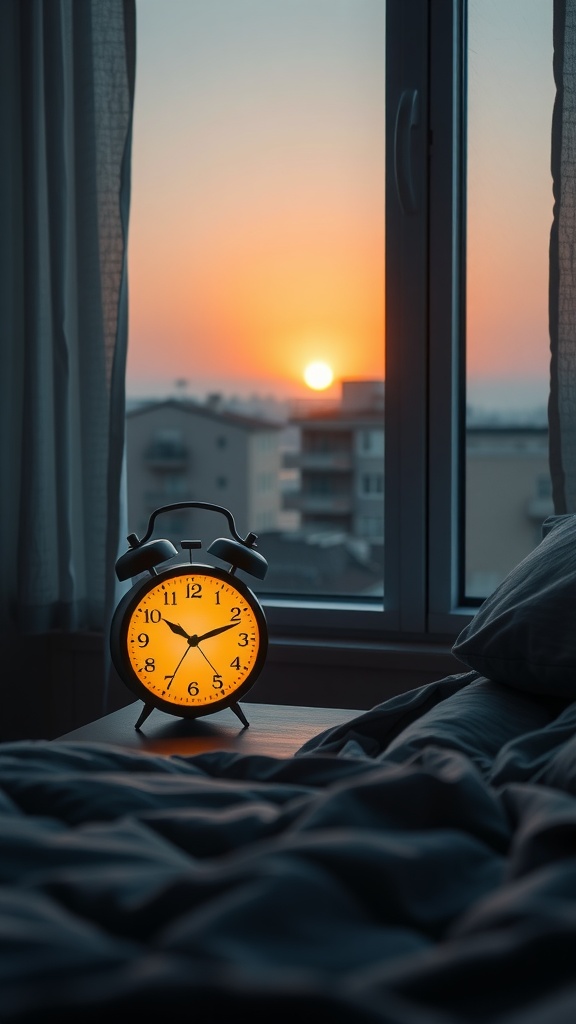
x=524, y=634
x=478, y=721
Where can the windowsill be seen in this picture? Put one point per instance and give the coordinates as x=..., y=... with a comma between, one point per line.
x=307, y=671
x=327, y=672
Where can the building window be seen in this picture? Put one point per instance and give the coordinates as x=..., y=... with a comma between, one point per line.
x=371, y=484
x=371, y=442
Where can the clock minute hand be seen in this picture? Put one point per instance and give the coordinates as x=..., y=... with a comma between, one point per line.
x=177, y=629
x=214, y=632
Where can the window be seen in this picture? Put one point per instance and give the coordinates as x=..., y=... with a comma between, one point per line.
x=371, y=483
x=382, y=121
x=509, y=215
x=371, y=442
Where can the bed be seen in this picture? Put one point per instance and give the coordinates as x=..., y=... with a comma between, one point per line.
x=413, y=865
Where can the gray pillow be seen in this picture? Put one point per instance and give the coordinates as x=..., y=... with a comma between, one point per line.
x=524, y=634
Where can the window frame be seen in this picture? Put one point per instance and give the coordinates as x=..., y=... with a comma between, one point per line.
x=423, y=463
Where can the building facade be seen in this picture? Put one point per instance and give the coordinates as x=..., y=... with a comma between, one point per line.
x=322, y=530
x=181, y=450
x=341, y=465
x=508, y=496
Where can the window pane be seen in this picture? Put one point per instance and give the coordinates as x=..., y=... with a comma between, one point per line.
x=256, y=249
x=509, y=215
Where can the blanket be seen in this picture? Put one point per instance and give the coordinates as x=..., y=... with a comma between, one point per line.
x=415, y=865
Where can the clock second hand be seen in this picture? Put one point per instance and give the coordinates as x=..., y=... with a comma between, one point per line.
x=171, y=678
x=215, y=670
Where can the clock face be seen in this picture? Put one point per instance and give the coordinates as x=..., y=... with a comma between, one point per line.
x=190, y=640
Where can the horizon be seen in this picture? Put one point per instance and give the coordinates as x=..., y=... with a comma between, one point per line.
x=497, y=397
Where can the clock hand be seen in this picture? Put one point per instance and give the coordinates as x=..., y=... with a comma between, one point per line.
x=169, y=684
x=193, y=639
x=215, y=670
x=177, y=629
x=214, y=632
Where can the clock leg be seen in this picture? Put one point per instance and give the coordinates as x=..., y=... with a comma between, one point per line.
x=240, y=714
x=146, y=710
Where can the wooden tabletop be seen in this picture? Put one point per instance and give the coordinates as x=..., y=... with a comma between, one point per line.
x=277, y=730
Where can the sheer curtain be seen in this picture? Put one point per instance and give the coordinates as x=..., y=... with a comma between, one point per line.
x=562, y=401
x=66, y=104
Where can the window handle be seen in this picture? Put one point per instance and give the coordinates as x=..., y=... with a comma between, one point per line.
x=406, y=123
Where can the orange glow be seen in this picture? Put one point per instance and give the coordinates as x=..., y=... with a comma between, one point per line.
x=255, y=303
x=257, y=211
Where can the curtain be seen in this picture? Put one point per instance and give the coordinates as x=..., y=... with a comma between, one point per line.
x=66, y=103
x=562, y=291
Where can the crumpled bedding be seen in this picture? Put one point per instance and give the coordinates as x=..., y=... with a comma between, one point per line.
x=416, y=865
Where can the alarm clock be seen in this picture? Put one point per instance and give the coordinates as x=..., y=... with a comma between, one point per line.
x=189, y=639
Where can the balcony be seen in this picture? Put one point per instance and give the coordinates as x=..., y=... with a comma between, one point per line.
x=167, y=458
x=318, y=504
x=341, y=462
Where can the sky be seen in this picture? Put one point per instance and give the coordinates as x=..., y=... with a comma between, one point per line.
x=257, y=219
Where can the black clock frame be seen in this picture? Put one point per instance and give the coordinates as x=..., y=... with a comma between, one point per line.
x=144, y=554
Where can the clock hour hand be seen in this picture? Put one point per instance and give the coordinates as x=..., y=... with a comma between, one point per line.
x=177, y=629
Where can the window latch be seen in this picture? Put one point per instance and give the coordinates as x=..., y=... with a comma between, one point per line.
x=406, y=123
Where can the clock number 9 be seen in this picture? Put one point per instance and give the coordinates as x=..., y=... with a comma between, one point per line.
x=143, y=639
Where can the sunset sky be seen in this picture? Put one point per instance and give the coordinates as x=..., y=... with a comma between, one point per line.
x=257, y=222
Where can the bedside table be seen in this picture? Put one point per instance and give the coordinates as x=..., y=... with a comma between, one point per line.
x=277, y=730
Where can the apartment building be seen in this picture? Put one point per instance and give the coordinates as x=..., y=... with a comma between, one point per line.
x=508, y=496
x=341, y=464
x=323, y=531
x=186, y=450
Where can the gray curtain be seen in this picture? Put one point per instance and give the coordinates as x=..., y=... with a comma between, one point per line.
x=562, y=295
x=66, y=103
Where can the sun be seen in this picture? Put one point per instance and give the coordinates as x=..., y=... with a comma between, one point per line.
x=318, y=375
